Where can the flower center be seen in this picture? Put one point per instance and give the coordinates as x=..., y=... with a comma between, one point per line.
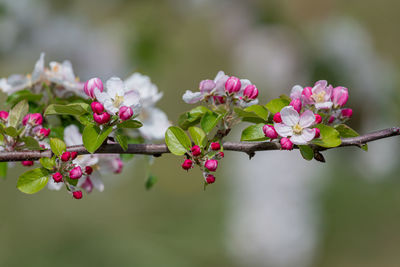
x=297, y=129
x=320, y=97
x=118, y=100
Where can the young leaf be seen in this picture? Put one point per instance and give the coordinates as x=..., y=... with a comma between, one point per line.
x=48, y=163
x=130, y=124
x=150, y=181
x=177, y=141
x=307, y=152
x=11, y=131
x=198, y=136
x=122, y=140
x=76, y=109
x=276, y=105
x=31, y=143
x=329, y=137
x=253, y=133
x=197, y=112
x=3, y=169
x=93, y=137
x=209, y=121
x=33, y=181
x=192, y=117
x=17, y=113
x=258, y=110
x=23, y=95
x=57, y=146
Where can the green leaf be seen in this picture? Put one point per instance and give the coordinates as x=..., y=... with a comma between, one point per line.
x=329, y=137
x=258, y=110
x=11, y=131
x=197, y=112
x=130, y=124
x=17, y=113
x=33, y=181
x=122, y=140
x=57, y=146
x=307, y=152
x=192, y=117
x=209, y=121
x=76, y=109
x=276, y=105
x=23, y=95
x=3, y=170
x=93, y=137
x=177, y=141
x=150, y=181
x=48, y=163
x=198, y=136
x=86, y=119
x=31, y=143
x=253, y=133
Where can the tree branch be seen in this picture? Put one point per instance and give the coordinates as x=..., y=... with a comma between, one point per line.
x=158, y=149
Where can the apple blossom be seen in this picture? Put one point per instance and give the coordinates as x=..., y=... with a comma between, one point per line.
x=296, y=126
x=75, y=173
x=66, y=156
x=187, y=164
x=269, y=131
x=340, y=95
x=125, y=113
x=215, y=146
x=347, y=112
x=196, y=151
x=97, y=107
x=206, y=86
x=211, y=165
x=57, y=177
x=91, y=85
x=250, y=92
x=296, y=104
x=44, y=132
x=321, y=95
x=210, y=178
x=286, y=144
x=33, y=119
x=233, y=85
x=142, y=85
x=277, y=117
x=77, y=194
x=3, y=115
x=318, y=118
x=101, y=118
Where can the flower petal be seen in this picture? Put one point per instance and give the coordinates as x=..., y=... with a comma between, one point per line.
x=298, y=139
x=131, y=99
x=308, y=134
x=324, y=105
x=191, y=98
x=72, y=136
x=283, y=130
x=296, y=92
x=115, y=86
x=307, y=118
x=289, y=116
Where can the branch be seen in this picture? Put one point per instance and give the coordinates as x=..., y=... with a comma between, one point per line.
x=158, y=149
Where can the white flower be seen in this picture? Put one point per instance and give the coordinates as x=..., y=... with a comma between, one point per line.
x=115, y=96
x=295, y=126
x=142, y=84
x=192, y=98
x=155, y=123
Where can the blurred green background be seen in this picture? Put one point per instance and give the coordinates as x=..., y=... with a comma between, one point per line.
x=276, y=44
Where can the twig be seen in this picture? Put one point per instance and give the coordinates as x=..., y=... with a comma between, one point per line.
x=158, y=149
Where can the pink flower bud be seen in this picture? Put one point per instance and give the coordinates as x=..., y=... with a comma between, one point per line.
x=340, y=95
x=206, y=86
x=211, y=165
x=269, y=131
x=27, y=163
x=196, y=151
x=88, y=170
x=33, y=119
x=251, y=91
x=187, y=164
x=57, y=177
x=210, y=179
x=317, y=133
x=347, y=113
x=77, y=194
x=286, y=144
x=331, y=119
x=306, y=95
x=74, y=154
x=97, y=107
x=3, y=115
x=65, y=156
x=101, y=118
x=296, y=104
x=118, y=165
x=219, y=100
x=215, y=146
x=44, y=132
x=91, y=85
x=75, y=173
x=125, y=113
x=277, y=117
x=318, y=118
x=219, y=155
x=233, y=85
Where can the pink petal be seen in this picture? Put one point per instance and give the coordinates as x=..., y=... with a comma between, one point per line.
x=289, y=116
x=296, y=92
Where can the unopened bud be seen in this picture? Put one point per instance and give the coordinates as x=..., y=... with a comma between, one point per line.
x=317, y=133
x=101, y=118
x=65, y=156
x=347, y=112
x=44, y=132
x=270, y=131
x=318, y=118
x=187, y=164
x=286, y=144
x=296, y=104
x=75, y=173
x=3, y=115
x=196, y=151
x=57, y=177
x=27, y=163
x=251, y=92
x=91, y=85
x=74, y=154
x=97, y=107
x=88, y=170
x=33, y=119
x=125, y=113
x=77, y=194
x=277, y=117
x=210, y=179
x=211, y=165
x=233, y=85
x=215, y=146
x=340, y=95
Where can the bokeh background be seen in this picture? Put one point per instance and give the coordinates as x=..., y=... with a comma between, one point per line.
x=275, y=210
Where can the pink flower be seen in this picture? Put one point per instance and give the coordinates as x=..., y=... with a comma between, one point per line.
x=286, y=144
x=233, y=85
x=196, y=151
x=75, y=173
x=306, y=95
x=317, y=133
x=210, y=179
x=340, y=95
x=211, y=165
x=125, y=113
x=33, y=119
x=215, y=146
x=44, y=132
x=57, y=177
x=269, y=131
x=118, y=165
x=296, y=104
x=91, y=85
x=187, y=164
x=101, y=118
x=277, y=117
x=321, y=95
x=27, y=163
x=250, y=92
x=347, y=113
x=3, y=115
x=295, y=126
x=206, y=86
x=318, y=118
x=66, y=156
x=77, y=194
x=97, y=107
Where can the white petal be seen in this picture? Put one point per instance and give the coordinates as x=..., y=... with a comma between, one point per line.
x=289, y=116
x=38, y=69
x=131, y=99
x=298, y=139
x=72, y=136
x=283, y=130
x=308, y=134
x=102, y=97
x=191, y=98
x=67, y=71
x=324, y=105
x=154, y=125
x=244, y=83
x=296, y=92
x=97, y=182
x=115, y=86
x=53, y=185
x=307, y=119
